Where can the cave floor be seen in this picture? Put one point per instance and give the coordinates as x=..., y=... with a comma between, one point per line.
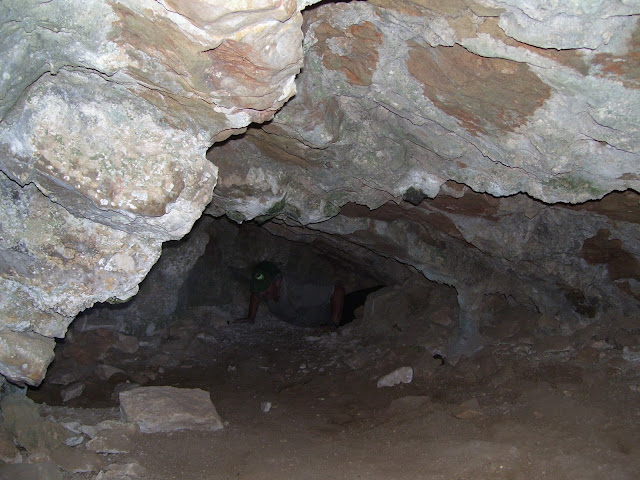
x=500, y=415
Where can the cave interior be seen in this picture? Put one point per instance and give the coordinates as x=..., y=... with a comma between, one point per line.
x=465, y=171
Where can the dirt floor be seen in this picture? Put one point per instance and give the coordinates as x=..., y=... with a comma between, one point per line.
x=508, y=413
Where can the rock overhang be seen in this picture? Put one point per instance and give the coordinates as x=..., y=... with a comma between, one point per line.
x=107, y=111
x=386, y=109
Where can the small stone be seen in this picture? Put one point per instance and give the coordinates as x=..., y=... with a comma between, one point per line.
x=66, y=377
x=467, y=410
x=442, y=317
x=163, y=360
x=73, y=427
x=631, y=354
x=206, y=338
x=400, y=375
x=74, y=441
x=105, y=372
x=126, y=343
x=89, y=430
x=71, y=392
x=265, y=407
x=125, y=471
x=601, y=345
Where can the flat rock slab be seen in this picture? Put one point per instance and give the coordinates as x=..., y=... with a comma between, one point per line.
x=167, y=409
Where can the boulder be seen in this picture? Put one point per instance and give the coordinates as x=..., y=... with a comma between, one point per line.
x=167, y=409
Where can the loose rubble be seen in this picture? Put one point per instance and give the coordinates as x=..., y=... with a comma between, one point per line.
x=477, y=390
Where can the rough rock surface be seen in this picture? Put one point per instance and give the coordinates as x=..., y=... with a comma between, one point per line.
x=159, y=292
x=106, y=112
x=418, y=110
x=396, y=98
x=168, y=409
x=456, y=118
x=575, y=265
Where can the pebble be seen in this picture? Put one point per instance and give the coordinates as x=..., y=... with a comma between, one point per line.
x=631, y=354
x=74, y=441
x=469, y=409
x=265, y=406
x=71, y=392
x=400, y=375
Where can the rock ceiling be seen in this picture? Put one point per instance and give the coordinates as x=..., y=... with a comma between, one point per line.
x=461, y=137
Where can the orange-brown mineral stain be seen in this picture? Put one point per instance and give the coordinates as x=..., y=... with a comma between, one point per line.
x=625, y=67
x=485, y=94
x=360, y=55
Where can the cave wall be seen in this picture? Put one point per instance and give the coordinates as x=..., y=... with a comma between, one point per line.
x=575, y=265
x=468, y=129
x=106, y=112
x=205, y=276
x=398, y=97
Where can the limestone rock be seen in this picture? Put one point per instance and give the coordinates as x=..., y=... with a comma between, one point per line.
x=166, y=409
x=467, y=410
x=631, y=354
x=25, y=356
x=442, y=120
x=400, y=375
x=392, y=140
x=105, y=372
x=22, y=420
x=406, y=311
x=71, y=392
x=158, y=294
x=103, y=134
x=451, y=119
x=126, y=343
x=8, y=451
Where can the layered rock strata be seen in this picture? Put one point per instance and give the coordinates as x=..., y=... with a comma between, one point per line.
x=519, y=100
x=396, y=98
x=106, y=112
